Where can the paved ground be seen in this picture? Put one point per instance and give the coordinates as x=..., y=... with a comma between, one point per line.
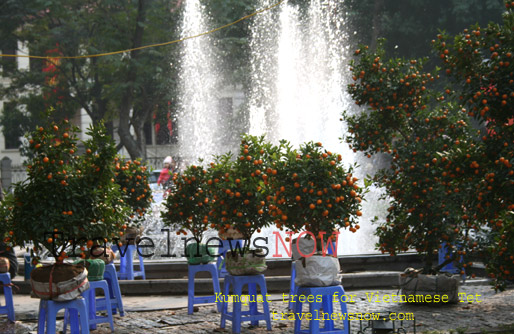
x=152, y=314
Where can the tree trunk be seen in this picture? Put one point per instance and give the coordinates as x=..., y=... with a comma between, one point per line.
x=134, y=150
x=377, y=9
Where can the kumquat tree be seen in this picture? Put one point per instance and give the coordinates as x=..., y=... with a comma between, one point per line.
x=133, y=177
x=68, y=200
x=240, y=187
x=187, y=206
x=312, y=191
x=450, y=178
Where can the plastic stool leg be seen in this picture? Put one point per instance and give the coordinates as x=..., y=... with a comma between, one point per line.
x=236, y=319
x=265, y=305
x=74, y=325
x=327, y=308
x=190, y=289
x=297, y=321
x=292, y=286
x=142, y=266
x=9, y=303
x=216, y=286
x=83, y=316
x=224, y=306
x=51, y=315
x=41, y=317
x=314, y=324
x=252, y=291
x=344, y=309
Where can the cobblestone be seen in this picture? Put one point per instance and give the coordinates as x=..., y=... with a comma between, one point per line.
x=493, y=312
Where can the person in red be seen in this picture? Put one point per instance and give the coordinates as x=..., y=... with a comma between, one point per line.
x=165, y=172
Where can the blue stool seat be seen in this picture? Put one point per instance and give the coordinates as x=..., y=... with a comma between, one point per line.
x=111, y=277
x=127, y=262
x=222, y=252
x=292, y=286
x=253, y=315
x=321, y=309
x=77, y=309
x=8, y=308
x=192, y=269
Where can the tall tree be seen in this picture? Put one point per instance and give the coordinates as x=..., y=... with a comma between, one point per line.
x=126, y=87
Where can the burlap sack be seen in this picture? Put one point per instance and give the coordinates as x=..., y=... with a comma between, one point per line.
x=4, y=265
x=415, y=283
x=317, y=270
x=248, y=264
x=306, y=246
x=53, y=289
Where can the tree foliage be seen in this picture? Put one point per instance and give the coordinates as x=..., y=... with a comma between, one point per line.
x=66, y=196
x=450, y=177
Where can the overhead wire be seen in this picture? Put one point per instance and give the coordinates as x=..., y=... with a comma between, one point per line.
x=150, y=45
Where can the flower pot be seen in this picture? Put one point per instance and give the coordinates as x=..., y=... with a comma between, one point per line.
x=197, y=254
x=230, y=233
x=413, y=283
x=248, y=264
x=317, y=270
x=59, y=282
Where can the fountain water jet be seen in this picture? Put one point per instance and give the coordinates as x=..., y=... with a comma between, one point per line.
x=199, y=119
x=299, y=73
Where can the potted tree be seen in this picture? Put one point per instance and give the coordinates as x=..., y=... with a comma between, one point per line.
x=187, y=209
x=132, y=176
x=314, y=193
x=240, y=192
x=68, y=201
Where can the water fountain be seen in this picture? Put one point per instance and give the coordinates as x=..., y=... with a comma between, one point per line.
x=299, y=72
x=199, y=84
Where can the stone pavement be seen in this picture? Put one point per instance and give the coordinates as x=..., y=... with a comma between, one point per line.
x=167, y=314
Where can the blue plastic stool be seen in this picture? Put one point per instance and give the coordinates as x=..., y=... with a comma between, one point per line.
x=293, y=289
x=191, y=299
x=127, y=262
x=77, y=309
x=111, y=277
x=220, y=262
x=450, y=267
x=316, y=308
x=93, y=307
x=253, y=315
x=8, y=308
